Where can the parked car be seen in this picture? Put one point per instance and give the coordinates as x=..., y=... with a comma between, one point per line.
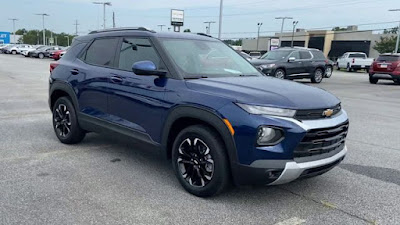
x=43, y=52
x=215, y=120
x=27, y=52
x=56, y=48
x=353, y=61
x=293, y=63
x=244, y=54
x=2, y=46
x=20, y=49
x=255, y=55
x=386, y=67
x=7, y=49
x=329, y=68
x=57, y=54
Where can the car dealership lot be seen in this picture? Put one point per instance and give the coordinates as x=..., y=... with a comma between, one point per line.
x=109, y=181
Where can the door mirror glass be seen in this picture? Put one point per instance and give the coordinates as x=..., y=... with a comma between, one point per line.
x=292, y=59
x=147, y=68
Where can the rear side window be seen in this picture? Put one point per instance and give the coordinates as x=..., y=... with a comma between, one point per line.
x=388, y=58
x=361, y=56
x=318, y=55
x=101, y=52
x=135, y=50
x=305, y=55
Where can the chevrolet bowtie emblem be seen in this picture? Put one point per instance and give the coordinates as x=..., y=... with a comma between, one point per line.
x=328, y=112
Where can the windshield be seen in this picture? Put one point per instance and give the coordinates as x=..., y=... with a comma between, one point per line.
x=41, y=47
x=276, y=55
x=197, y=58
x=361, y=56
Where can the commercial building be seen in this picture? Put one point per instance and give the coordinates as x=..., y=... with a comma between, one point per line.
x=4, y=37
x=332, y=43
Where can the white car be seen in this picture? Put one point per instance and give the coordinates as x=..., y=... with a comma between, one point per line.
x=17, y=48
x=353, y=61
x=33, y=48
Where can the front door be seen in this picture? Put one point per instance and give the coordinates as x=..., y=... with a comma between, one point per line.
x=294, y=67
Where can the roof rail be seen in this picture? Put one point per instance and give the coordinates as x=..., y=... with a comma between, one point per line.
x=122, y=29
x=203, y=34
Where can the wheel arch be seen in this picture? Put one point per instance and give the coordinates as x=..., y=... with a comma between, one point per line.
x=60, y=89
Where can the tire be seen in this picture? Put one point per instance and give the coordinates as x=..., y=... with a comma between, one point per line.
x=328, y=72
x=337, y=66
x=13, y=52
x=373, y=80
x=348, y=68
x=209, y=170
x=280, y=74
x=396, y=81
x=41, y=55
x=65, y=122
x=317, y=76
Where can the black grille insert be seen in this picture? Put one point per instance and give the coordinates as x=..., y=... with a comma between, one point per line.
x=320, y=141
x=311, y=114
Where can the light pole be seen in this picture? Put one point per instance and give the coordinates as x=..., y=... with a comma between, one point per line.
x=209, y=26
x=14, y=19
x=294, y=27
x=76, y=27
x=220, y=19
x=104, y=11
x=398, y=32
x=44, y=30
x=67, y=39
x=258, y=33
x=161, y=26
x=283, y=22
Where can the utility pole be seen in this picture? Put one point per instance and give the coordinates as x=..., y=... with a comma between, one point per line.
x=161, y=26
x=258, y=33
x=209, y=26
x=44, y=30
x=294, y=27
x=76, y=27
x=283, y=22
x=220, y=19
x=51, y=36
x=398, y=32
x=104, y=11
x=113, y=19
x=67, y=39
x=14, y=19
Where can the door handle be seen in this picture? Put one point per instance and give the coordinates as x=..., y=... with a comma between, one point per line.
x=116, y=79
x=74, y=72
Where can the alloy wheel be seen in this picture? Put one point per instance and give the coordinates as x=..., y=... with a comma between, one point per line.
x=328, y=71
x=318, y=75
x=62, y=119
x=280, y=74
x=195, y=162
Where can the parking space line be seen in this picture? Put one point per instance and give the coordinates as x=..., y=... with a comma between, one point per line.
x=291, y=221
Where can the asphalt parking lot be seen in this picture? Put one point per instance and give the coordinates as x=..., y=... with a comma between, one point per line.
x=106, y=181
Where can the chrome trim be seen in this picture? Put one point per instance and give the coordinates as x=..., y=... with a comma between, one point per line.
x=293, y=170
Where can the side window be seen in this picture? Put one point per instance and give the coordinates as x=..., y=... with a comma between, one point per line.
x=305, y=55
x=295, y=54
x=135, y=50
x=101, y=52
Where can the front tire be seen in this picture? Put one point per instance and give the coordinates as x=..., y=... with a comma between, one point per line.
x=14, y=52
x=41, y=55
x=280, y=74
x=65, y=122
x=200, y=162
x=328, y=72
x=317, y=76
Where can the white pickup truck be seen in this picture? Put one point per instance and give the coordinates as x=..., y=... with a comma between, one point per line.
x=353, y=61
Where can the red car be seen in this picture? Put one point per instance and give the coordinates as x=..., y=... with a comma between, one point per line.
x=386, y=67
x=56, y=54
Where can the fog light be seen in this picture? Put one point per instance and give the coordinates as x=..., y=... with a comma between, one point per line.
x=269, y=136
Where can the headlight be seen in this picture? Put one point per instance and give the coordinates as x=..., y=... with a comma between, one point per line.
x=267, y=66
x=263, y=110
x=269, y=136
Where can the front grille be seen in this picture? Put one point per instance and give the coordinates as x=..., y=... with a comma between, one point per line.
x=320, y=141
x=312, y=114
x=320, y=170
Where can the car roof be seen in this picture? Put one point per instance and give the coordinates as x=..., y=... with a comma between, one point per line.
x=143, y=32
x=390, y=54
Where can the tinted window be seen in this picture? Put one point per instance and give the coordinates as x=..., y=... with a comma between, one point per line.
x=388, y=58
x=296, y=55
x=101, y=52
x=318, y=55
x=305, y=55
x=361, y=56
x=276, y=54
x=135, y=50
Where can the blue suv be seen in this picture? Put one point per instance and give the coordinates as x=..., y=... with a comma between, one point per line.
x=211, y=112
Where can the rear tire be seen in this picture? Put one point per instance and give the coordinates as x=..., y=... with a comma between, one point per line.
x=14, y=52
x=41, y=55
x=348, y=68
x=200, y=162
x=317, y=76
x=328, y=72
x=397, y=81
x=65, y=122
x=373, y=80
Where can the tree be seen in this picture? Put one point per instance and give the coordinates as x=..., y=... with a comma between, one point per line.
x=339, y=29
x=234, y=42
x=187, y=31
x=391, y=31
x=386, y=44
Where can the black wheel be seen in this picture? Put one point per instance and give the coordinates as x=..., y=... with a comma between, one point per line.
x=317, y=76
x=41, y=55
x=280, y=74
x=337, y=66
x=200, y=162
x=65, y=122
x=348, y=68
x=373, y=80
x=397, y=81
x=328, y=72
x=14, y=52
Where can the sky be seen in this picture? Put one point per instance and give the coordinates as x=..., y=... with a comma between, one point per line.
x=240, y=16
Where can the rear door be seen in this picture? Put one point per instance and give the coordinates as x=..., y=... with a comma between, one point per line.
x=307, y=59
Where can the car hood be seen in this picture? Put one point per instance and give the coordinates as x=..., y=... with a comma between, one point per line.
x=266, y=91
x=258, y=62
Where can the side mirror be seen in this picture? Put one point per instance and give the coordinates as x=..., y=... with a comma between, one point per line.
x=292, y=59
x=147, y=68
